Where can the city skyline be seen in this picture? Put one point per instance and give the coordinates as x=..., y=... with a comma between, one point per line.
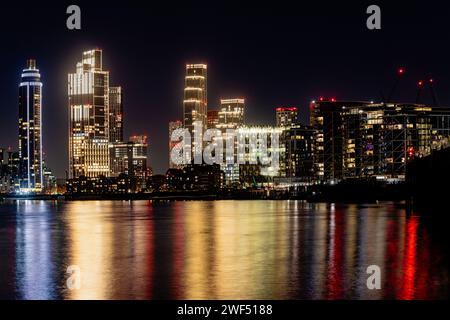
x=111, y=130
x=232, y=73
x=231, y=158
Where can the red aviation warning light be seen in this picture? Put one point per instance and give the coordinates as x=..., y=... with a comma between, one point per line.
x=401, y=71
x=411, y=152
x=420, y=84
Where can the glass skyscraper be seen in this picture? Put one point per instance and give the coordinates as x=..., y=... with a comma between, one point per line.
x=30, y=129
x=195, y=95
x=88, y=90
x=195, y=102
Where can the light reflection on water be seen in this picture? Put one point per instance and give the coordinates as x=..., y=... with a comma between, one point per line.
x=216, y=250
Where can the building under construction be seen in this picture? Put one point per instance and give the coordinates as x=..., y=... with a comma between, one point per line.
x=357, y=139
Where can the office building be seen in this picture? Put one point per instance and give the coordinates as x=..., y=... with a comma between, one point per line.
x=373, y=140
x=195, y=99
x=298, y=142
x=115, y=114
x=88, y=90
x=231, y=114
x=30, y=129
x=230, y=117
x=130, y=159
x=286, y=116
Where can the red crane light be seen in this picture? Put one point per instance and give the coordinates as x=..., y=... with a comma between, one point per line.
x=401, y=71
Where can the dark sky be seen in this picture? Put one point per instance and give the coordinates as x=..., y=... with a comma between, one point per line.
x=280, y=53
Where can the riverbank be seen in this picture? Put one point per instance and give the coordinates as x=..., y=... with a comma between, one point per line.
x=355, y=192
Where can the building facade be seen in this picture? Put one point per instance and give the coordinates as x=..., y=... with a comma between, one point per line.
x=130, y=159
x=30, y=130
x=195, y=101
x=259, y=145
x=115, y=114
x=88, y=91
x=286, y=116
x=9, y=170
x=230, y=117
x=298, y=142
x=355, y=140
x=231, y=114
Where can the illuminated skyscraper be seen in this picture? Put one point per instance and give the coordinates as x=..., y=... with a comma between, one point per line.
x=195, y=100
x=231, y=113
x=286, y=116
x=115, y=114
x=88, y=91
x=30, y=129
x=231, y=117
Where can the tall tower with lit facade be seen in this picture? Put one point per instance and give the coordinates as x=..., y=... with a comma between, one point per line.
x=30, y=129
x=88, y=90
x=115, y=114
x=231, y=113
x=195, y=102
x=230, y=117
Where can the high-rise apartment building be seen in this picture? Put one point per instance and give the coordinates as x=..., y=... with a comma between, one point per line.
x=231, y=113
x=131, y=159
x=115, y=114
x=230, y=117
x=286, y=116
x=298, y=142
x=364, y=139
x=88, y=90
x=267, y=163
x=195, y=102
x=30, y=130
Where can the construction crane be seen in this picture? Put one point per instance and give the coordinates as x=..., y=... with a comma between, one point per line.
x=420, y=86
x=433, y=92
x=419, y=90
x=400, y=73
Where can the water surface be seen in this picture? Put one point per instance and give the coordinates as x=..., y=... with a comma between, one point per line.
x=217, y=250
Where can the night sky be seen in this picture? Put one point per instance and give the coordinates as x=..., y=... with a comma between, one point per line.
x=272, y=54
